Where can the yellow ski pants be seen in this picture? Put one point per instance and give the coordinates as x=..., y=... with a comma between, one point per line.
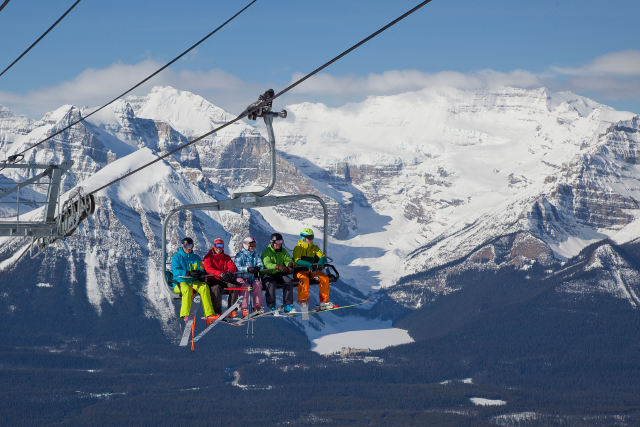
x=186, y=289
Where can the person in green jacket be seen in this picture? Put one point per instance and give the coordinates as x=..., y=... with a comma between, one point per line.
x=308, y=255
x=279, y=265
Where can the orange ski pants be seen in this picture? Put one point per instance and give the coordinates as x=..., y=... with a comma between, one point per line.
x=303, y=286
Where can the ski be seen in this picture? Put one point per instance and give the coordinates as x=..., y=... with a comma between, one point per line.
x=219, y=319
x=190, y=319
x=304, y=307
x=280, y=312
x=250, y=318
x=317, y=310
x=232, y=322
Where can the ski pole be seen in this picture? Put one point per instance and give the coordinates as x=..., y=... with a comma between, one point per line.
x=250, y=301
x=193, y=333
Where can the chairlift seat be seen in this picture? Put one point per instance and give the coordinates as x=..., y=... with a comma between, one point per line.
x=169, y=280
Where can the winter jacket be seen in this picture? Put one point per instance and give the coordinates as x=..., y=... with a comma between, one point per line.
x=305, y=254
x=245, y=259
x=217, y=264
x=271, y=258
x=181, y=262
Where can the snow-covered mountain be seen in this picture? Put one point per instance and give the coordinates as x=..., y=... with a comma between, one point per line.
x=414, y=182
x=432, y=175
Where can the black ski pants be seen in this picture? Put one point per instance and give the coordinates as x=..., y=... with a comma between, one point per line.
x=270, y=282
x=217, y=287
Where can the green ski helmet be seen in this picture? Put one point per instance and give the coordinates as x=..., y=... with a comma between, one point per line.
x=306, y=232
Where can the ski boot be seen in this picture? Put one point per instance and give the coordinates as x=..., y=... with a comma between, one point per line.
x=326, y=305
x=288, y=308
x=210, y=319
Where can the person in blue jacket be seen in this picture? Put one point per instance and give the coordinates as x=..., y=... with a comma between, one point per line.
x=249, y=263
x=187, y=269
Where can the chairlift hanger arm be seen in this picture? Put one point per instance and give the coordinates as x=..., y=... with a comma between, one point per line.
x=253, y=111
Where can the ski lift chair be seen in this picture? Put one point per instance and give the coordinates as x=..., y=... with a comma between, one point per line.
x=251, y=200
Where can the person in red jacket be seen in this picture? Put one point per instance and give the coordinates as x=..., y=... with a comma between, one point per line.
x=220, y=269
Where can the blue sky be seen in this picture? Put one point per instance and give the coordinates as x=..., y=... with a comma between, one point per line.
x=102, y=48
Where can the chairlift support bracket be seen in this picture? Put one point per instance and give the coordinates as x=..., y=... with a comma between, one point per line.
x=57, y=221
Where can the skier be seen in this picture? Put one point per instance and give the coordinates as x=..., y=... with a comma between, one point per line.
x=249, y=263
x=221, y=267
x=278, y=264
x=308, y=255
x=187, y=270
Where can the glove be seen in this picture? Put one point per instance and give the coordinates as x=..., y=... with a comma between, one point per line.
x=226, y=276
x=253, y=270
x=280, y=267
x=315, y=268
x=196, y=274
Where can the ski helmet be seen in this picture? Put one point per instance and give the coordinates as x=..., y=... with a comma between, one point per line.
x=247, y=242
x=218, y=243
x=307, y=232
x=187, y=241
x=275, y=236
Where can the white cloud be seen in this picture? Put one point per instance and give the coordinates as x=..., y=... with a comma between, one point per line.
x=625, y=63
x=97, y=87
x=615, y=76
x=91, y=87
x=400, y=81
x=611, y=77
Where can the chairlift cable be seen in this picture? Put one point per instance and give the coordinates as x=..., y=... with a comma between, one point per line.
x=3, y=5
x=41, y=37
x=266, y=101
x=142, y=82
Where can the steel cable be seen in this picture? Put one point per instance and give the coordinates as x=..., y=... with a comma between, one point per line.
x=288, y=88
x=136, y=86
x=41, y=37
x=3, y=5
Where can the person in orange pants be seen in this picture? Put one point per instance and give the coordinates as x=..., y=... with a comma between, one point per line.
x=308, y=255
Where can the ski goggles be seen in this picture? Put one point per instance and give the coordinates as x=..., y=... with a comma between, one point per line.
x=278, y=242
x=218, y=245
x=307, y=237
x=253, y=244
x=188, y=246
